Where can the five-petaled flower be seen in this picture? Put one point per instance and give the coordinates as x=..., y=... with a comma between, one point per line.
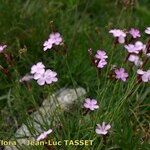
x=44, y=135
x=121, y=74
x=54, y=39
x=135, y=33
x=135, y=48
x=101, y=55
x=38, y=68
x=100, y=58
x=42, y=75
x=135, y=59
x=2, y=47
x=47, y=77
x=119, y=34
x=90, y=104
x=145, y=75
x=47, y=44
x=102, y=129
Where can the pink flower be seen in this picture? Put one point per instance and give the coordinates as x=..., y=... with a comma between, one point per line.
x=135, y=48
x=48, y=77
x=27, y=77
x=131, y=48
x=147, y=30
x=101, y=63
x=47, y=44
x=91, y=104
x=43, y=76
x=101, y=55
x=56, y=38
x=44, y=135
x=145, y=75
x=135, y=59
x=121, y=74
x=102, y=129
x=135, y=33
x=101, y=58
x=120, y=34
x=38, y=68
x=2, y=47
x=139, y=46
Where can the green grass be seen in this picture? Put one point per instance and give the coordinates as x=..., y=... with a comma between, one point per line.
x=84, y=24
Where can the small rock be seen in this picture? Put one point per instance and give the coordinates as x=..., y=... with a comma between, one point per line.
x=61, y=100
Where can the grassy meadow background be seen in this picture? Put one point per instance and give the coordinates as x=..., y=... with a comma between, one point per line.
x=84, y=24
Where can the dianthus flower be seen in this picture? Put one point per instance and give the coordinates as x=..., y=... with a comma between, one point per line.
x=120, y=34
x=102, y=129
x=47, y=77
x=47, y=44
x=54, y=39
x=135, y=48
x=145, y=75
x=135, y=33
x=121, y=74
x=44, y=135
x=101, y=63
x=91, y=104
x=135, y=59
x=38, y=68
x=101, y=55
x=100, y=59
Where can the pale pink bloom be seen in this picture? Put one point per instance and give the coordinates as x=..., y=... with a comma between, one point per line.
x=101, y=63
x=147, y=30
x=25, y=78
x=101, y=59
x=47, y=77
x=44, y=135
x=48, y=44
x=101, y=55
x=135, y=33
x=135, y=59
x=38, y=68
x=91, y=104
x=131, y=48
x=56, y=38
x=120, y=34
x=102, y=129
x=2, y=47
x=139, y=46
x=121, y=74
x=135, y=48
x=145, y=75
